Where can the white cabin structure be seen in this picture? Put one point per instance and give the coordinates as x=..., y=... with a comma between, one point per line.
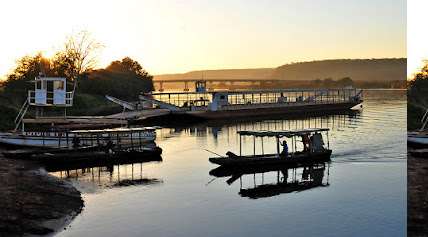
x=50, y=91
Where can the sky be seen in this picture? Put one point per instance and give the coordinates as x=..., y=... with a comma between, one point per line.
x=417, y=34
x=180, y=36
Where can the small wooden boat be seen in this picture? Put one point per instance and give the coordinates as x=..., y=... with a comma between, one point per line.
x=417, y=139
x=314, y=149
x=76, y=138
x=88, y=156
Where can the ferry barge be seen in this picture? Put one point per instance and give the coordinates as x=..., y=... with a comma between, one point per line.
x=250, y=103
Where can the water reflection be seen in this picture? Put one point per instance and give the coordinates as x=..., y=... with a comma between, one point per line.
x=271, y=181
x=91, y=178
x=230, y=127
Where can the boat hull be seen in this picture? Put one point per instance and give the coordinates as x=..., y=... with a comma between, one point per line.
x=273, y=159
x=417, y=140
x=56, y=140
x=290, y=109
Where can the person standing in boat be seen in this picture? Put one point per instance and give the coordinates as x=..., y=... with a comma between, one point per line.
x=306, y=142
x=284, y=152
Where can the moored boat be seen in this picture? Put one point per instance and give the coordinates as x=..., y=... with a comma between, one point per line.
x=417, y=139
x=226, y=104
x=50, y=95
x=78, y=138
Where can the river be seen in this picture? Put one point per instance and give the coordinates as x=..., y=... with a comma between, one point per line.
x=361, y=192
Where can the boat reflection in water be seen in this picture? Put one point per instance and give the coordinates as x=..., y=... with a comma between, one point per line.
x=269, y=181
x=90, y=177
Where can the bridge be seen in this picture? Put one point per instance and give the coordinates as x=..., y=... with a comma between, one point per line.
x=159, y=84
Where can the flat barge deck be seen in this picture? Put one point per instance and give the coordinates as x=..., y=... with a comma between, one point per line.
x=227, y=104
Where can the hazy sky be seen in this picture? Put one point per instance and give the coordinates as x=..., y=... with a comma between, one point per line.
x=179, y=36
x=417, y=49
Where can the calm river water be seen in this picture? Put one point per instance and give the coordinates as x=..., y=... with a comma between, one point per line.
x=362, y=192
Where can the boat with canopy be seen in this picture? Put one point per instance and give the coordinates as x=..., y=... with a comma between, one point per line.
x=314, y=148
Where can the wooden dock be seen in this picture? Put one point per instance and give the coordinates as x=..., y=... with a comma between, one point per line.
x=114, y=120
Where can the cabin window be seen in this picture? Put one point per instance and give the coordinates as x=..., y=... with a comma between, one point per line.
x=38, y=85
x=58, y=85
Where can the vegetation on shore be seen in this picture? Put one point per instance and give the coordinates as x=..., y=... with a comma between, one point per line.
x=124, y=79
x=417, y=98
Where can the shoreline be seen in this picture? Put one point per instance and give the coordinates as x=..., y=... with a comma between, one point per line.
x=417, y=200
x=34, y=202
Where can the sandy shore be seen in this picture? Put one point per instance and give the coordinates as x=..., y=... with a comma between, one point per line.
x=417, y=200
x=32, y=201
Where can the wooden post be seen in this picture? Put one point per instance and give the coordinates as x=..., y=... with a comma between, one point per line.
x=254, y=145
x=139, y=139
x=132, y=142
x=66, y=137
x=295, y=144
x=118, y=141
x=263, y=150
x=59, y=139
x=240, y=145
x=277, y=145
x=328, y=141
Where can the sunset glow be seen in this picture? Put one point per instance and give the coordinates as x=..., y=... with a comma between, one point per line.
x=417, y=47
x=179, y=36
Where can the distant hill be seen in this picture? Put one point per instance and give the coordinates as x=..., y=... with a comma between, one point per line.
x=369, y=70
x=253, y=73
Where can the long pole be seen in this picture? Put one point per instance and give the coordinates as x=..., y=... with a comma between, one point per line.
x=240, y=145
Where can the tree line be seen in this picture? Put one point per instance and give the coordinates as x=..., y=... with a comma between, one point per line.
x=417, y=91
x=76, y=61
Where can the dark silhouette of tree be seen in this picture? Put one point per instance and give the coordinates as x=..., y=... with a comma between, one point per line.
x=346, y=81
x=78, y=56
x=27, y=68
x=123, y=79
x=128, y=65
x=417, y=91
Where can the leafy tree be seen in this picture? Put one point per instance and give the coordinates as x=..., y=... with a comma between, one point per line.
x=27, y=68
x=124, y=79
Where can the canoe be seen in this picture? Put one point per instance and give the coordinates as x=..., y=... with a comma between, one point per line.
x=273, y=159
x=417, y=140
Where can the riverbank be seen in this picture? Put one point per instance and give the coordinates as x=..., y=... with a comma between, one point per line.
x=33, y=202
x=417, y=186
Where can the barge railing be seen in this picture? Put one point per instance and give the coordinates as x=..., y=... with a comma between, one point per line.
x=199, y=101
